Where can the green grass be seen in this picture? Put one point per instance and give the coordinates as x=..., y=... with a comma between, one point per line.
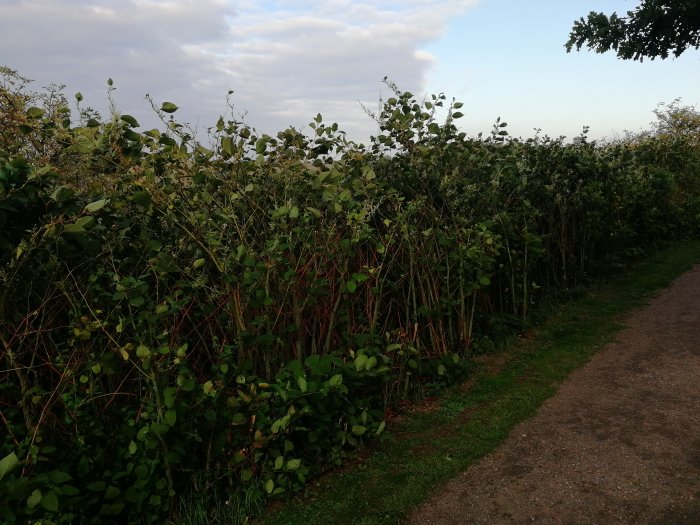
x=427, y=449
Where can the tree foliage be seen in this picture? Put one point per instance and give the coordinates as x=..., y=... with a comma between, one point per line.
x=678, y=121
x=655, y=29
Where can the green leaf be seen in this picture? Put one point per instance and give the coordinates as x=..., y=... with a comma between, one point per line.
x=155, y=245
x=239, y=418
x=35, y=112
x=85, y=223
x=261, y=145
x=227, y=145
x=168, y=107
x=83, y=144
x=130, y=134
x=280, y=212
x=360, y=362
x=49, y=501
x=73, y=228
x=8, y=464
x=133, y=447
x=170, y=417
x=169, y=396
x=441, y=370
x=167, y=141
x=142, y=198
x=371, y=362
x=198, y=263
x=69, y=490
x=96, y=206
x=143, y=351
x=34, y=499
x=351, y=286
x=61, y=194
x=59, y=477
x=293, y=464
x=269, y=486
x=358, y=430
x=313, y=211
x=302, y=384
x=279, y=462
x=336, y=380
x=130, y=120
x=159, y=428
x=294, y=212
x=112, y=492
x=457, y=114
x=380, y=428
x=246, y=474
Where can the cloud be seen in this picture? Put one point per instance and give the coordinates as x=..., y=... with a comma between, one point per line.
x=285, y=60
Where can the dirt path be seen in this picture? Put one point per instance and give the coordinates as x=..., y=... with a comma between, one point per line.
x=619, y=442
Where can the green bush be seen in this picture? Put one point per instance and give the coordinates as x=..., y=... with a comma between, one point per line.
x=179, y=318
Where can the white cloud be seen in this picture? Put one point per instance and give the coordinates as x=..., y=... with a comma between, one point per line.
x=285, y=60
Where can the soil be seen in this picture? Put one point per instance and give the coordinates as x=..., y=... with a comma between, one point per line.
x=618, y=443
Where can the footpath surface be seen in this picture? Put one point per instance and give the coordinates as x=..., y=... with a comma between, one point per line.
x=618, y=443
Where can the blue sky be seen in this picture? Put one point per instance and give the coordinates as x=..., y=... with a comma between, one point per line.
x=287, y=60
x=506, y=58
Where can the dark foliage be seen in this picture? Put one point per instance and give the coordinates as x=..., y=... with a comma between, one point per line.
x=655, y=29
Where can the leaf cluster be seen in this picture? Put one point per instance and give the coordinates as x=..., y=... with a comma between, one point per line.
x=655, y=29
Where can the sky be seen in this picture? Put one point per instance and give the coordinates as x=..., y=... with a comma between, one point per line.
x=287, y=60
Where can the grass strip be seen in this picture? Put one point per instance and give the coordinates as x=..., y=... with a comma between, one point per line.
x=427, y=449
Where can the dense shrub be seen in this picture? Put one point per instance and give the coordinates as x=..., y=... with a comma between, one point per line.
x=178, y=317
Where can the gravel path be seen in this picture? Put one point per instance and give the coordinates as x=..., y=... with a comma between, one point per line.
x=618, y=443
